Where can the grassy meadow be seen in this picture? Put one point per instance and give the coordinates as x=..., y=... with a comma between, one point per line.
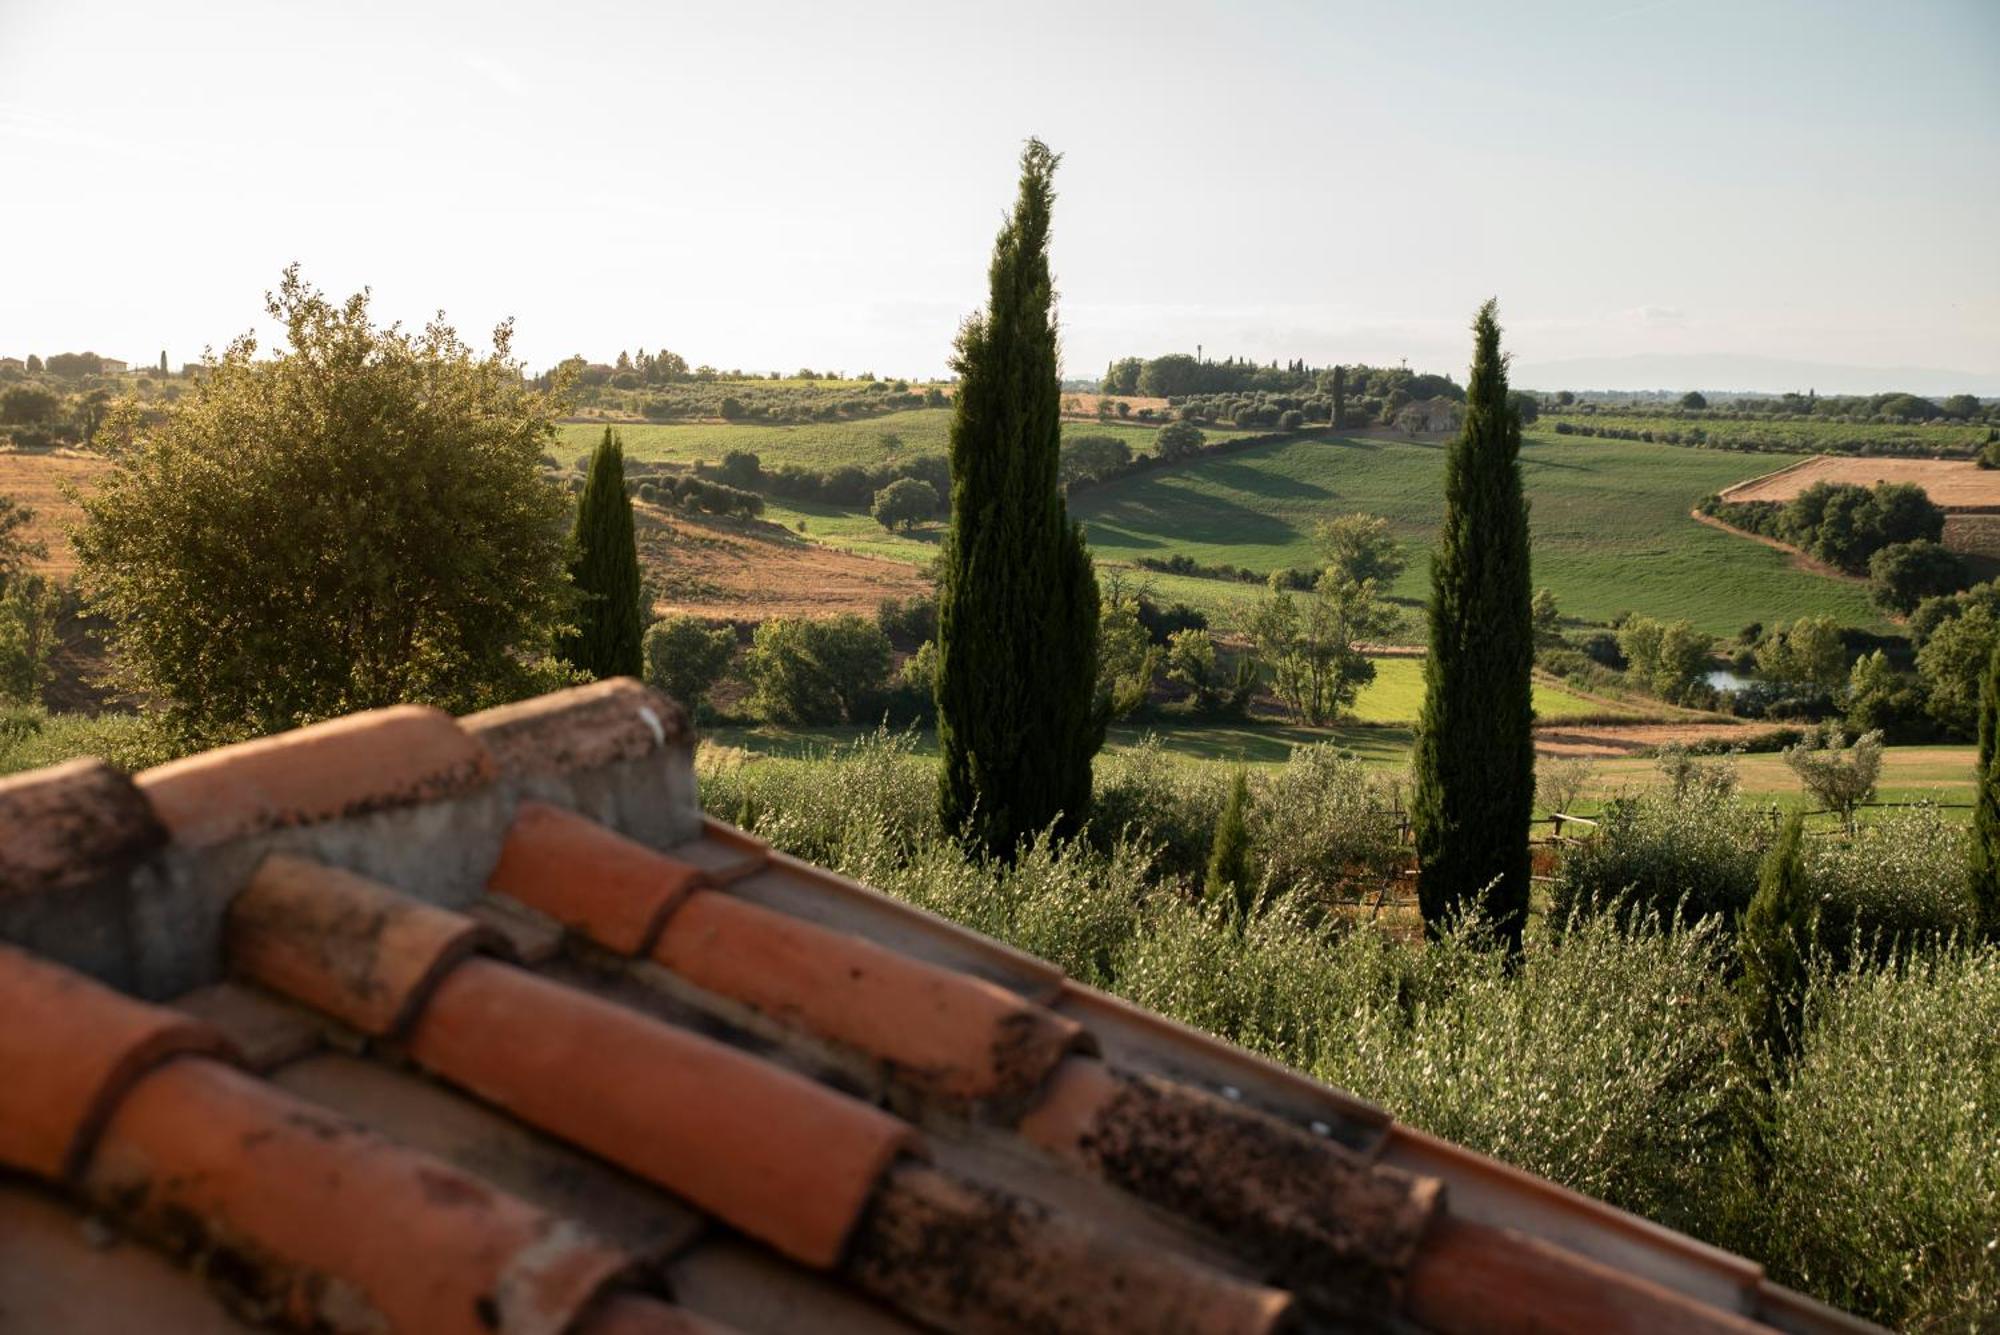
x=865, y=443
x=1609, y=517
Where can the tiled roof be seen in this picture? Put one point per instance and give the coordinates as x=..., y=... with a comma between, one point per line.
x=409, y=1023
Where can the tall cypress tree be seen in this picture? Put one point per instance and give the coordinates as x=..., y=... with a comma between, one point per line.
x=1018, y=720
x=1339, y=397
x=1475, y=760
x=604, y=566
x=1985, y=856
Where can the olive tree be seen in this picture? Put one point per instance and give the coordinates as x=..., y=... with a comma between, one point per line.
x=359, y=520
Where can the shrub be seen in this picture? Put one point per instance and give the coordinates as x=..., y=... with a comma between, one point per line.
x=1325, y=826
x=909, y=623
x=1178, y=440
x=1228, y=885
x=904, y=504
x=1840, y=775
x=803, y=671
x=1682, y=852
x=685, y=657
x=1291, y=420
x=1906, y=573
x=1877, y=1187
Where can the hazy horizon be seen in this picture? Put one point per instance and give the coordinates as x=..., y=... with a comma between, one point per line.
x=1786, y=188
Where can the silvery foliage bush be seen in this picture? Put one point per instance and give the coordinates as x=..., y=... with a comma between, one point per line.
x=1898, y=881
x=1147, y=796
x=1878, y=1183
x=1321, y=826
x=1688, y=849
x=1602, y=1062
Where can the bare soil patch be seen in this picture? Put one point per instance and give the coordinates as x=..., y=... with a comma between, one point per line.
x=750, y=570
x=36, y=478
x=1954, y=484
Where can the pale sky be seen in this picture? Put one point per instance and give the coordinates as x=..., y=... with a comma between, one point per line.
x=770, y=185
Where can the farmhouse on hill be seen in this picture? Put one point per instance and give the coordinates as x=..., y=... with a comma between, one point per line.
x=1431, y=416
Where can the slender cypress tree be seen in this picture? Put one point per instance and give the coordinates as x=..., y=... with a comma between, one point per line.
x=1475, y=761
x=1775, y=943
x=604, y=565
x=1229, y=883
x=1018, y=721
x=1985, y=857
x=1339, y=397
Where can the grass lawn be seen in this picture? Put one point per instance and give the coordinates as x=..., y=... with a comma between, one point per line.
x=1610, y=522
x=822, y=445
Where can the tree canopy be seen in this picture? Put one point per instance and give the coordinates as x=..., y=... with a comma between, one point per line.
x=357, y=521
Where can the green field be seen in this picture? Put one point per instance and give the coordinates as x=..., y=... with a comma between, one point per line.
x=1609, y=517
x=821, y=445
x=1802, y=436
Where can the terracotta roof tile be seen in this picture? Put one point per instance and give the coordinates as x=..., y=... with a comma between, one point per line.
x=377, y=761
x=344, y=944
x=1473, y=1279
x=1331, y=1225
x=781, y=1158
x=265, y=1031
x=69, y=1050
x=612, y=889
x=584, y=728
x=310, y=1219
x=814, y=894
x=64, y=826
x=965, y=1257
x=629, y=1314
x=941, y=1032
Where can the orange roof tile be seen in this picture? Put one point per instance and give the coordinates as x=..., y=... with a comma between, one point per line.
x=69, y=1050
x=369, y=762
x=944, y=1033
x=614, y=890
x=656, y=1115
x=344, y=944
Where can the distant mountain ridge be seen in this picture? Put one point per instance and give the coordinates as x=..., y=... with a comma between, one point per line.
x=1726, y=373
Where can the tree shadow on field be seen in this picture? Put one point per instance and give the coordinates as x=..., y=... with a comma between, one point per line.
x=1260, y=482
x=1156, y=520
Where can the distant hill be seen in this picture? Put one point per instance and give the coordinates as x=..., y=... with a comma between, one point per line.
x=1726, y=373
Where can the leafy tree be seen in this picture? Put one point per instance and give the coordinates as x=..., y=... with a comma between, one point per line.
x=1961, y=406
x=75, y=365
x=1178, y=440
x=1228, y=883
x=30, y=607
x=1526, y=406
x=1670, y=658
x=17, y=549
x=1170, y=376
x=804, y=671
x=35, y=366
x=686, y=657
x=1358, y=547
x=1091, y=457
x=1192, y=662
x=1122, y=377
x=1952, y=664
x=1840, y=775
x=1808, y=652
x=1775, y=942
x=358, y=521
x=1312, y=646
x=1983, y=867
x=1018, y=715
x=1474, y=786
x=1879, y=698
x=1126, y=656
x=1694, y=398
x=904, y=504
x=1545, y=614
x=1906, y=573
x=29, y=405
x=609, y=637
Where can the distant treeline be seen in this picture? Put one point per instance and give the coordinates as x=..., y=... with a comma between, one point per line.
x=1787, y=437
